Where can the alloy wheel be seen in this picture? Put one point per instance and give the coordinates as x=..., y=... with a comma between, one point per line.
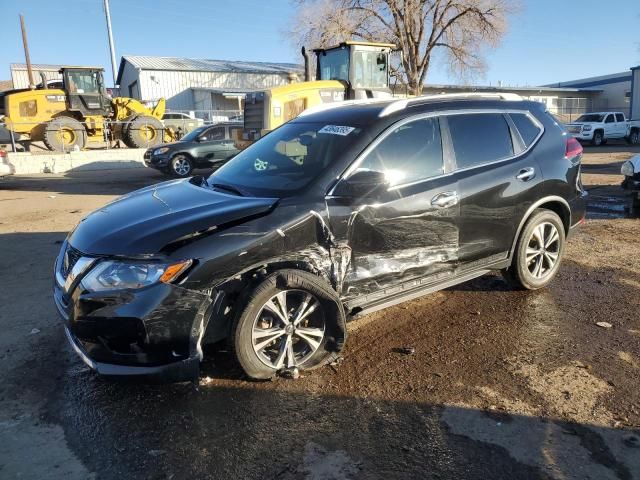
x=181, y=166
x=289, y=329
x=543, y=250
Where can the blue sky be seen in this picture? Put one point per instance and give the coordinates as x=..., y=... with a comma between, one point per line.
x=549, y=41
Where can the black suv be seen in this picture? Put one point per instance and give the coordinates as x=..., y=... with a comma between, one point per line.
x=333, y=215
x=204, y=147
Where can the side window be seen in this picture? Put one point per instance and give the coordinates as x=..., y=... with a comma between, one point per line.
x=609, y=119
x=479, y=138
x=215, y=133
x=529, y=131
x=411, y=152
x=619, y=117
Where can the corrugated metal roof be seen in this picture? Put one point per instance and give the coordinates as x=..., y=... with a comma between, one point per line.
x=43, y=66
x=204, y=65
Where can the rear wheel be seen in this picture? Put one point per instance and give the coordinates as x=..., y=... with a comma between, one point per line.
x=181, y=166
x=143, y=132
x=64, y=134
x=538, y=251
x=634, y=137
x=597, y=139
x=291, y=320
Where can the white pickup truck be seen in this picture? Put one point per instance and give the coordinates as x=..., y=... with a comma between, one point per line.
x=598, y=127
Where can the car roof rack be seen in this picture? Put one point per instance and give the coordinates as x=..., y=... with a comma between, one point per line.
x=404, y=103
x=401, y=104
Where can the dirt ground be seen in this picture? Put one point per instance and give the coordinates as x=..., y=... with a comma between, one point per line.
x=502, y=384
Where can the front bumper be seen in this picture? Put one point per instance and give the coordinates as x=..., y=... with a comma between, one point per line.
x=582, y=135
x=153, y=333
x=156, y=161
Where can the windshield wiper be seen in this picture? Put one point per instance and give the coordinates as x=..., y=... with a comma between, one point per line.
x=228, y=188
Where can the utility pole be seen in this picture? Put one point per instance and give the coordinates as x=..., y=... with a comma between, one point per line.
x=112, y=48
x=26, y=52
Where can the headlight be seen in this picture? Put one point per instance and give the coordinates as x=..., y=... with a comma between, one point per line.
x=586, y=128
x=627, y=169
x=160, y=150
x=112, y=275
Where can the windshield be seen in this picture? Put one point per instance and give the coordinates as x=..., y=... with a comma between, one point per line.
x=334, y=64
x=370, y=69
x=590, y=117
x=285, y=160
x=193, y=134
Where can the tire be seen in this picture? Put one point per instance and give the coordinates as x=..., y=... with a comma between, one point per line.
x=143, y=131
x=260, y=338
x=63, y=134
x=531, y=271
x=597, y=139
x=634, y=137
x=180, y=166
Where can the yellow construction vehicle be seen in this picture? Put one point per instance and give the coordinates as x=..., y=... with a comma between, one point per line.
x=82, y=112
x=349, y=71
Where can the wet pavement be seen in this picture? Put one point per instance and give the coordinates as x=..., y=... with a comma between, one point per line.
x=477, y=381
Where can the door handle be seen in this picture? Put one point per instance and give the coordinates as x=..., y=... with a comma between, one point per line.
x=526, y=174
x=445, y=199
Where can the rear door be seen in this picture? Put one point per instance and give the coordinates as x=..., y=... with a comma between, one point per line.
x=408, y=230
x=621, y=126
x=498, y=179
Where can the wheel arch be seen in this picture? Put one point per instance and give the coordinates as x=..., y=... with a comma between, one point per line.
x=554, y=203
x=233, y=291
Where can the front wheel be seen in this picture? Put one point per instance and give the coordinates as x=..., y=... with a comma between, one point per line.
x=181, y=166
x=538, y=252
x=291, y=320
x=597, y=139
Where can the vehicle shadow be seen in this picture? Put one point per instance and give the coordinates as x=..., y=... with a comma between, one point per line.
x=90, y=182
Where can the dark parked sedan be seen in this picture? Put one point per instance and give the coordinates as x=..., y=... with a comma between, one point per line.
x=333, y=215
x=204, y=147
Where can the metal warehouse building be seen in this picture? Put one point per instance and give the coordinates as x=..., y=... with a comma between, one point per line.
x=204, y=87
x=20, y=75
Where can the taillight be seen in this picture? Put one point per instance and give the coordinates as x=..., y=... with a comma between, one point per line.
x=573, y=148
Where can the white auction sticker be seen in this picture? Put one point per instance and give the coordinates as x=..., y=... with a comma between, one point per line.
x=336, y=130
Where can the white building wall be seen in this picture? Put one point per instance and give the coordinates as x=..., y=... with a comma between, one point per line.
x=612, y=97
x=129, y=76
x=20, y=77
x=174, y=86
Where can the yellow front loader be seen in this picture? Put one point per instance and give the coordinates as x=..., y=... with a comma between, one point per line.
x=352, y=70
x=81, y=113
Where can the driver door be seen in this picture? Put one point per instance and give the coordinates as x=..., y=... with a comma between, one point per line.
x=407, y=230
x=85, y=92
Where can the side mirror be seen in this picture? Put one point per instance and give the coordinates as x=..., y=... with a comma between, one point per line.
x=362, y=183
x=201, y=138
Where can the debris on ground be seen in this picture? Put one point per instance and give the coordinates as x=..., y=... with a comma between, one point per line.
x=290, y=373
x=34, y=331
x=404, y=350
x=631, y=440
x=604, y=324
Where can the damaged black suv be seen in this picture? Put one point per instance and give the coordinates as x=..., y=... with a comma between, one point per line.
x=333, y=215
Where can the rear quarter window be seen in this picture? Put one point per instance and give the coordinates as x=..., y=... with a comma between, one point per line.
x=479, y=138
x=529, y=131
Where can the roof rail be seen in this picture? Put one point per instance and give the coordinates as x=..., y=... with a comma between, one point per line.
x=329, y=106
x=402, y=104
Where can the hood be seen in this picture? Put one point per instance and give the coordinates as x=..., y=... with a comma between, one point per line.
x=146, y=220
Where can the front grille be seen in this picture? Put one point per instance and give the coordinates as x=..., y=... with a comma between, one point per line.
x=147, y=154
x=69, y=259
x=574, y=128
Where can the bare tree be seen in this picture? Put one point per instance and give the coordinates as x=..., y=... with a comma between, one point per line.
x=459, y=29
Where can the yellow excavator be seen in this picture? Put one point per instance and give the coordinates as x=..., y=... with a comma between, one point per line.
x=351, y=70
x=81, y=112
